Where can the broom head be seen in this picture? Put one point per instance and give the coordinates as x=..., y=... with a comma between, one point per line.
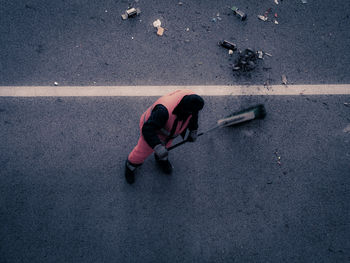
x=254, y=112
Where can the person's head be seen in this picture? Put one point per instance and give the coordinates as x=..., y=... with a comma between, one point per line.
x=189, y=105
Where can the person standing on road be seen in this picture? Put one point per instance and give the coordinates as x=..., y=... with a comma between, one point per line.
x=168, y=117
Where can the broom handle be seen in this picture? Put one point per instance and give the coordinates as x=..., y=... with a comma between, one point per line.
x=238, y=117
x=199, y=134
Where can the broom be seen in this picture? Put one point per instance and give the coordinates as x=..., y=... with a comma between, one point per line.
x=251, y=113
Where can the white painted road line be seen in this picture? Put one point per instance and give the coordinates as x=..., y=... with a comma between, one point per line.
x=204, y=90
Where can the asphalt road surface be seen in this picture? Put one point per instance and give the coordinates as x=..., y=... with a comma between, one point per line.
x=87, y=43
x=272, y=190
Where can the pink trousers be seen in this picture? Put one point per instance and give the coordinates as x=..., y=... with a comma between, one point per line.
x=141, y=151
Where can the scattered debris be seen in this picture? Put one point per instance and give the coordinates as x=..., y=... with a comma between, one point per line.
x=55, y=83
x=160, y=30
x=217, y=17
x=214, y=19
x=267, y=12
x=284, y=79
x=131, y=12
x=266, y=18
x=239, y=13
x=304, y=1
x=347, y=128
x=246, y=61
x=261, y=54
x=228, y=45
x=263, y=18
x=157, y=23
x=267, y=84
x=278, y=158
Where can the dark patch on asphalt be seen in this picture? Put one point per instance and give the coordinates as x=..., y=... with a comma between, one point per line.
x=30, y=7
x=39, y=49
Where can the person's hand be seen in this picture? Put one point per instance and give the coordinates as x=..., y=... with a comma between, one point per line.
x=161, y=152
x=192, y=136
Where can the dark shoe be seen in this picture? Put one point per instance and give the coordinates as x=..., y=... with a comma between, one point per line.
x=164, y=165
x=129, y=174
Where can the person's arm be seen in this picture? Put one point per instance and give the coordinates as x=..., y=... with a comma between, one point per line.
x=193, y=128
x=193, y=123
x=157, y=120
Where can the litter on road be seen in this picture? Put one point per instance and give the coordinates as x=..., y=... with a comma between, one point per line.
x=218, y=17
x=263, y=18
x=347, y=128
x=131, y=12
x=267, y=12
x=160, y=31
x=284, y=79
x=228, y=45
x=239, y=13
x=157, y=23
x=278, y=157
x=247, y=60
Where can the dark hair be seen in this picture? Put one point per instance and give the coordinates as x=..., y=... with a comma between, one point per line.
x=189, y=104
